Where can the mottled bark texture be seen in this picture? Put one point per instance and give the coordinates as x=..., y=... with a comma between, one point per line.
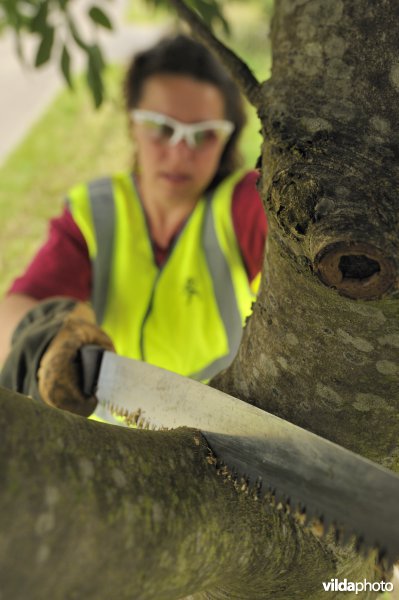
x=322, y=347
x=95, y=511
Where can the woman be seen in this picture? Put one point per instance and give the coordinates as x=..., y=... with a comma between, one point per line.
x=168, y=255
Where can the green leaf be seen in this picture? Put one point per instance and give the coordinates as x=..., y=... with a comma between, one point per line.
x=99, y=17
x=76, y=35
x=13, y=17
x=94, y=77
x=19, y=47
x=44, y=51
x=211, y=11
x=38, y=23
x=97, y=57
x=65, y=64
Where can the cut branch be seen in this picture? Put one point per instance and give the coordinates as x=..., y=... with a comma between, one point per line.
x=238, y=69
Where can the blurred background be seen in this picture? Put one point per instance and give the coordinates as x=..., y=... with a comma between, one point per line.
x=53, y=138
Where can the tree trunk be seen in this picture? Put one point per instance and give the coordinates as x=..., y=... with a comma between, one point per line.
x=322, y=347
x=94, y=511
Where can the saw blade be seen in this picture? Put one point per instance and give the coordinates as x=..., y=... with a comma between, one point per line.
x=333, y=484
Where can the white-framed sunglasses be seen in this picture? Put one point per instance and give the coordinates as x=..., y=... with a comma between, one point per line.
x=162, y=128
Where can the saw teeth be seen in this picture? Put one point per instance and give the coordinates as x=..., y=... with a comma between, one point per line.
x=384, y=563
x=242, y=485
x=316, y=526
x=281, y=503
x=382, y=558
x=255, y=489
x=337, y=534
x=364, y=547
x=312, y=519
x=321, y=526
x=347, y=537
x=360, y=546
x=329, y=525
x=308, y=516
x=300, y=517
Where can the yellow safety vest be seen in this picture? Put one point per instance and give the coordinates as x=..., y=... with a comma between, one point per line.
x=185, y=316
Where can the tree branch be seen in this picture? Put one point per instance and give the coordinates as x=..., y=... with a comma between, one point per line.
x=95, y=511
x=238, y=69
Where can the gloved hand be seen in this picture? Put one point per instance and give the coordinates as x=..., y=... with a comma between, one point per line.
x=43, y=361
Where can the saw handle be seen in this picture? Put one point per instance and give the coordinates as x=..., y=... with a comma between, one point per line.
x=90, y=360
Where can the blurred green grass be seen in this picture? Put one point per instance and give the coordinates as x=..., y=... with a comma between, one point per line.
x=72, y=142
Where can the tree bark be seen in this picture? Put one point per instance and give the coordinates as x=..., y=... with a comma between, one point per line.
x=322, y=347
x=93, y=511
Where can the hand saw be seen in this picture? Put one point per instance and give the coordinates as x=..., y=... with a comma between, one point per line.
x=300, y=468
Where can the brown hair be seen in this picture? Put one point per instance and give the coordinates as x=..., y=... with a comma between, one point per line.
x=181, y=55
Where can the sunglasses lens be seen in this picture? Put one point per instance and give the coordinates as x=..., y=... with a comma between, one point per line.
x=158, y=131
x=206, y=137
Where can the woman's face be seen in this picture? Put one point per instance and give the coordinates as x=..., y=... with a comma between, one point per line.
x=177, y=171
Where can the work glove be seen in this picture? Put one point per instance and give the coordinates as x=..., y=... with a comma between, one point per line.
x=44, y=361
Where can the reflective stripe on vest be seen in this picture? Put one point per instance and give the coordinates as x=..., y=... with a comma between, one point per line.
x=224, y=294
x=103, y=211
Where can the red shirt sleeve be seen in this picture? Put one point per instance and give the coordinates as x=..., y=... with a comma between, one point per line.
x=62, y=265
x=250, y=223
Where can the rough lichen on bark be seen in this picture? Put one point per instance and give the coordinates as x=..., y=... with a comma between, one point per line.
x=327, y=358
x=329, y=363
x=96, y=511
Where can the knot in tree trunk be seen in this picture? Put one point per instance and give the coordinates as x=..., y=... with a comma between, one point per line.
x=356, y=269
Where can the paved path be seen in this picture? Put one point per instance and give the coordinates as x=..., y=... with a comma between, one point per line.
x=25, y=92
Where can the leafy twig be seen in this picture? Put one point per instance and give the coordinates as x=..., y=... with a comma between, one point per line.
x=238, y=69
